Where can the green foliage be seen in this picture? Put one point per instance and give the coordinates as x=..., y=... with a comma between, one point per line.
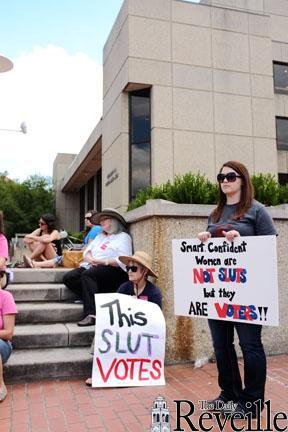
x=23, y=203
x=79, y=235
x=266, y=189
x=196, y=189
x=189, y=188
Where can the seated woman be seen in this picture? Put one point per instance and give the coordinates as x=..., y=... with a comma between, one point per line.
x=138, y=267
x=101, y=270
x=7, y=310
x=44, y=243
x=91, y=232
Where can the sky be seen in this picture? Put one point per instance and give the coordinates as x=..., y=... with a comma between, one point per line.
x=55, y=86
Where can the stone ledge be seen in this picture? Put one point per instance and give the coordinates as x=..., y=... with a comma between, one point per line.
x=159, y=207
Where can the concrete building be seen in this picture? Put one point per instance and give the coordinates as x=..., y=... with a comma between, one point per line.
x=186, y=87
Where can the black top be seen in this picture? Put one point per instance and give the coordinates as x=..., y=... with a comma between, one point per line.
x=150, y=293
x=56, y=243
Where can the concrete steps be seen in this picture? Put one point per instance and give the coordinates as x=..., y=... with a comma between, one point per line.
x=47, y=341
x=52, y=335
x=36, y=364
x=48, y=312
x=41, y=292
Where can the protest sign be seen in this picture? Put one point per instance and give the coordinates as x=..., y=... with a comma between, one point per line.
x=129, y=342
x=229, y=281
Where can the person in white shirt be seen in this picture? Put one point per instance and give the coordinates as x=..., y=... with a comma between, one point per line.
x=101, y=271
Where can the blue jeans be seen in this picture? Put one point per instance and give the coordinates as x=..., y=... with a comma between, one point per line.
x=5, y=350
x=254, y=357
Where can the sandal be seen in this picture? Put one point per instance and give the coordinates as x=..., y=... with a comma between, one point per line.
x=3, y=393
x=88, y=382
x=28, y=262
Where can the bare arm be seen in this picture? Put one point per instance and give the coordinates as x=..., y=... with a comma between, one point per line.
x=8, y=330
x=49, y=238
x=34, y=236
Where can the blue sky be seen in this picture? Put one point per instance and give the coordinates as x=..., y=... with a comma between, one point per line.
x=76, y=25
x=55, y=86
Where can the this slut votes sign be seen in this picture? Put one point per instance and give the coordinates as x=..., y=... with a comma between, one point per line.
x=129, y=342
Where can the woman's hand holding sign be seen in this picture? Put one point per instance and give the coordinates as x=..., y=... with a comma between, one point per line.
x=230, y=235
x=204, y=236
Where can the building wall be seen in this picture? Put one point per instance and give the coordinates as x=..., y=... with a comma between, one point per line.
x=210, y=69
x=67, y=204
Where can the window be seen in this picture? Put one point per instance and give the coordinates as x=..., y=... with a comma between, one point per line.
x=280, y=77
x=90, y=193
x=99, y=189
x=82, y=207
x=282, y=178
x=282, y=133
x=140, y=141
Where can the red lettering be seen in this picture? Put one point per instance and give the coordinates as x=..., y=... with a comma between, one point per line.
x=157, y=366
x=236, y=310
x=198, y=275
x=126, y=369
x=143, y=370
x=221, y=311
x=99, y=364
x=123, y=369
x=247, y=313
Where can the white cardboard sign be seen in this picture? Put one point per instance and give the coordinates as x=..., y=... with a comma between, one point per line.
x=228, y=281
x=129, y=342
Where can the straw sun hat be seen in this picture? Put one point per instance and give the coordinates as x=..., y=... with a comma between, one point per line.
x=142, y=258
x=109, y=213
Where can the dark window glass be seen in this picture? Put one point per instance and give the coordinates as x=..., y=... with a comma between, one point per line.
x=140, y=141
x=82, y=207
x=280, y=77
x=140, y=120
x=282, y=133
x=282, y=178
x=140, y=161
x=90, y=193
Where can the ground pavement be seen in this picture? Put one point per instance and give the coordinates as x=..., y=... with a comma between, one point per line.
x=60, y=406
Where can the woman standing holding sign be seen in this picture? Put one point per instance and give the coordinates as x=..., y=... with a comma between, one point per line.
x=238, y=214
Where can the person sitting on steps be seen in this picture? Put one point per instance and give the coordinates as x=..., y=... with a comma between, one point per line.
x=44, y=242
x=102, y=272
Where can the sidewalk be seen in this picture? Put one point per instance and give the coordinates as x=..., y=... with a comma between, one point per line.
x=60, y=406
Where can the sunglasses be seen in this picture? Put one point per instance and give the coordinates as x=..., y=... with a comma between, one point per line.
x=230, y=177
x=88, y=218
x=42, y=223
x=133, y=268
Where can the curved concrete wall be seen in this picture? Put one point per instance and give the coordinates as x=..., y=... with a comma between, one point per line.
x=153, y=227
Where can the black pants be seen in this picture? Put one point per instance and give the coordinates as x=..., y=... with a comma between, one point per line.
x=98, y=279
x=229, y=378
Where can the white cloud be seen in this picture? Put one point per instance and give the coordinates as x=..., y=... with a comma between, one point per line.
x=59, y=96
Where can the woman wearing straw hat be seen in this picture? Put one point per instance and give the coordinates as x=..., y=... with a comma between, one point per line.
x=138, y=267
x=103, y=272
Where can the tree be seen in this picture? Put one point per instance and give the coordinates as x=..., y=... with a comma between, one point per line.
x=23, y=203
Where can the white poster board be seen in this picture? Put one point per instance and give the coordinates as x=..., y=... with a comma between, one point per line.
x=228, y=281
x=129, y=342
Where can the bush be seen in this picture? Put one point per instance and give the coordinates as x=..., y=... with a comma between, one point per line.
x=266, y=189
x=196, y=189
x=189, y=189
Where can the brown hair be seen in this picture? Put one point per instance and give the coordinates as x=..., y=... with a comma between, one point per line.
x=247, y=192
x=2, y=230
